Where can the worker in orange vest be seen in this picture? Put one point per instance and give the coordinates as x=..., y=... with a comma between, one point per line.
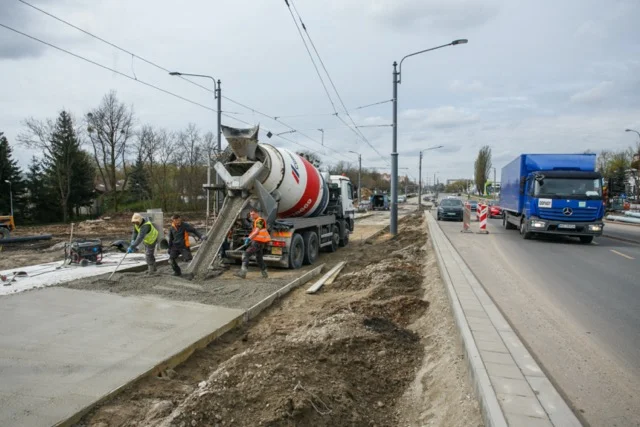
x=255, y=242
x=179, y=242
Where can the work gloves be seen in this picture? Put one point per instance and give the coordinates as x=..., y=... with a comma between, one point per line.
x=131, y=250
x=247, y=241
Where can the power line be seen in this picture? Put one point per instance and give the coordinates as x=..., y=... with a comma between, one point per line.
x=142, y=82
x=371, y=105
x=106, y=68
x=133, y=55
x=357, y=132
x=311, y=57
x=285, y=139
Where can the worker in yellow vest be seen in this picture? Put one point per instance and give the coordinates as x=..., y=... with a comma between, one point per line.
x=144, y=232
x=256, y=242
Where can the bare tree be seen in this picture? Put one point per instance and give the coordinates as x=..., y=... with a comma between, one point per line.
x=160, y=154
x=482, y=168
x=191, y=161
x=110, y=128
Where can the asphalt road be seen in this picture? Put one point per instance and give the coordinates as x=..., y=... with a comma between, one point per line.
x=623, y=232
x=577, y=307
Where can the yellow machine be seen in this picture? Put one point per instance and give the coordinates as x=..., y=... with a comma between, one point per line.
x=7, y=225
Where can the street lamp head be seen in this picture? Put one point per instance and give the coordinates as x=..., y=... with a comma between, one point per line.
x=175, y=73
x=7, y=181
x=459, y=41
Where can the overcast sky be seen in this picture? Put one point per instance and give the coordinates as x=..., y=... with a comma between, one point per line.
x=536, y=76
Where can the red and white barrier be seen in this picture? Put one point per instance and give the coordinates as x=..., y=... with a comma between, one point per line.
x=483, y=210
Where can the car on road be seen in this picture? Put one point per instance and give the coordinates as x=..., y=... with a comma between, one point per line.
x=495, y=211
x=474, y=205
x=402, y=198
x=380, y=202
x=450, y=209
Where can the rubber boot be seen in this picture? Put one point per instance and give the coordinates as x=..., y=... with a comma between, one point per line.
x=264, y=274
x=152, y=270
x=242, y=273
x=176, y=269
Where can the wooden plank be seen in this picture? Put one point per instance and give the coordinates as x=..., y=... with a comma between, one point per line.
x=335, y=275
x=317, y=285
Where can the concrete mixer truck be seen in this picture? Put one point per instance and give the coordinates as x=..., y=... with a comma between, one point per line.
x=306, y=210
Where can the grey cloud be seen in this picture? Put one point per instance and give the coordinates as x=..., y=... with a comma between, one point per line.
x=593, y=95
x=445, y=14
x=22, y=18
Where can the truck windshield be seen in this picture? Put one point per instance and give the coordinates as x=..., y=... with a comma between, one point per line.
x=568, y=188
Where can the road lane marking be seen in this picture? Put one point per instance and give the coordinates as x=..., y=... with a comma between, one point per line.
x=621, y=254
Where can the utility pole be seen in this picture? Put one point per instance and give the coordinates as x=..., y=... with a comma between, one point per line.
x=359, y=174
x=393, y=226
x=217, y=94
x=397, y=70
x=218, y=192
x=420, y=171
x=420, y=181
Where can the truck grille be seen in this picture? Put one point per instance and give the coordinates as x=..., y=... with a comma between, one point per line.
x=555, y=214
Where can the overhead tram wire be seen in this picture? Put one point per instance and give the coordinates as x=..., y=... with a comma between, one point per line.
x=357, y=131
x=105, y=67
x=160, y=67
x=287, y=139
x=135, y=80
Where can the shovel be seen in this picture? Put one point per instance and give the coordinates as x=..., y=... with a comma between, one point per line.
x=117, y=266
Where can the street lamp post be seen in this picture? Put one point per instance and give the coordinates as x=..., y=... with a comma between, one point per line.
x=420, y=172
x=217, y=94
x=10, y=195
x=397, y=72
x=359, y=173
x=631, y=130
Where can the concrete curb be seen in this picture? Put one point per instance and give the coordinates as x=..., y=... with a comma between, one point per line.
x=511, y=387
x=491, y=412
x=182, y=355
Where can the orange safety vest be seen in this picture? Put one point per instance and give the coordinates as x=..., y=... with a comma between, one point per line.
x=263, y=235
x=186, y=237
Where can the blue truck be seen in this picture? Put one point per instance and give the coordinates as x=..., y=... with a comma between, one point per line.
x=557, y=194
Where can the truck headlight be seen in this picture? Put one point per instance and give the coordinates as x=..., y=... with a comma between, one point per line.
x=538, y=224
x=595, y=227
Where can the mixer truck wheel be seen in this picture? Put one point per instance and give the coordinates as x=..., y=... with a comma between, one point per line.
x=296, y=252
x=311, y=246
x=335, y=240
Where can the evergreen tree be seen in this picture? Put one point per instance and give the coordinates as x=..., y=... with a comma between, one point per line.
x=82, y=183
x=42, y=206
x=62, y=159
x=9, y=171
x=139, y=185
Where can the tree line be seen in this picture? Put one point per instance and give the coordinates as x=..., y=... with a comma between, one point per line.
x=103, y=162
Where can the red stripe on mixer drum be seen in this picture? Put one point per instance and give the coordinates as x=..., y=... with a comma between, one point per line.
x=311, y=192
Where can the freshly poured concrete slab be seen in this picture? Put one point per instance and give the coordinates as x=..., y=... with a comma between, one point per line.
x=53, y=273
x=62, y=349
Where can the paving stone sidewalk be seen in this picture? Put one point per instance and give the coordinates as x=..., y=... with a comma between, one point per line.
x=511, y=387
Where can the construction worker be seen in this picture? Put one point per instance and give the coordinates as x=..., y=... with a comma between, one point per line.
x=179, y=242
x=255, y=242
x=144, y=232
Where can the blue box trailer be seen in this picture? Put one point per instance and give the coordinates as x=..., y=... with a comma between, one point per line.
x=553, y=194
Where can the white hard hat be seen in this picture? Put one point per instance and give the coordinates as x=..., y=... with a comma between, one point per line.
x=136, y=217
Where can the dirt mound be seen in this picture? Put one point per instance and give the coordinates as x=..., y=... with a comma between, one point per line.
x=303, y=380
